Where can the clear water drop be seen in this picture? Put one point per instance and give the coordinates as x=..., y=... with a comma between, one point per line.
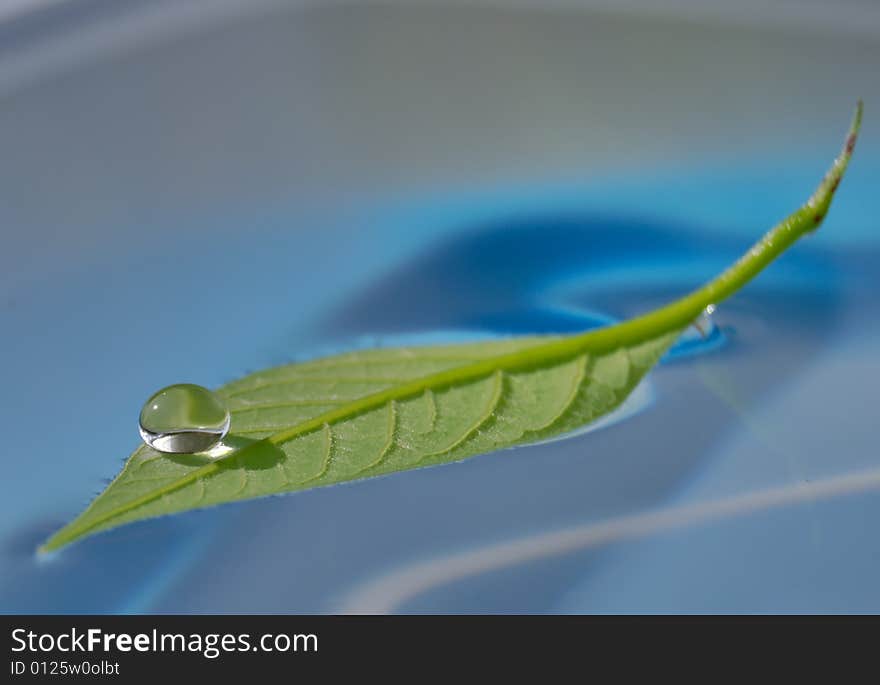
x=184, y=419
x=701, y=336
x=705, y=324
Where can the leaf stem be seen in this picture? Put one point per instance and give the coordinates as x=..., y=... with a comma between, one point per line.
x=677, y=315
x=683, y=312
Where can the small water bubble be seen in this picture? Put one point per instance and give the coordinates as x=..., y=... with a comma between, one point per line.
x=701, y=336
x=183, y=419
x=705, y=324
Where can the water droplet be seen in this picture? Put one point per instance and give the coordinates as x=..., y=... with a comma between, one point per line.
x=701, y=336
x=704, y=323
x=183, y=419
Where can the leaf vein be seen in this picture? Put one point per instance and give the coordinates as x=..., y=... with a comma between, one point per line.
x=390, y=438
x=305, y=380
x=328, y=455
x=482, y=418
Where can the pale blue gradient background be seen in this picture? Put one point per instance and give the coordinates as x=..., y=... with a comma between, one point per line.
x=188, y=194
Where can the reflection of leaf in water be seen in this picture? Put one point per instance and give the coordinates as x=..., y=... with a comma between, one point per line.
x=375, y=412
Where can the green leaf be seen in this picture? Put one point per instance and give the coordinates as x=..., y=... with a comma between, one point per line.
x=375, y=412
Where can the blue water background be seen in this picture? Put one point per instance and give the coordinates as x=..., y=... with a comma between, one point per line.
x=799, y=356
x=189, y=277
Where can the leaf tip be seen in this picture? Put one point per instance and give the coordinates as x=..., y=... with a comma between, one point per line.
x=46, y=549
x=854, y=129
x=44, y=553
x=820, y=200
x=55, y=542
